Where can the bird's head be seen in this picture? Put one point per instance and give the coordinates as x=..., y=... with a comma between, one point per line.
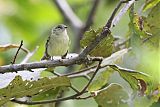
x=59, y=29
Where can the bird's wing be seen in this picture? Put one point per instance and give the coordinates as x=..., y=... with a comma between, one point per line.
x=46, y=55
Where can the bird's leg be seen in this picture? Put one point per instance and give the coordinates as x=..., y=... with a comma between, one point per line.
x=45, y=57
x=52, y=58
x=64, y=56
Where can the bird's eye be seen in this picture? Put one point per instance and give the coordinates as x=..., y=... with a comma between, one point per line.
x=59, y=27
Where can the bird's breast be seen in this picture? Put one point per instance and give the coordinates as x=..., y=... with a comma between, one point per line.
x=58, y=45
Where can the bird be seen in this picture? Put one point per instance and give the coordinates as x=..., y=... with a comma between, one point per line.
x=57, y=43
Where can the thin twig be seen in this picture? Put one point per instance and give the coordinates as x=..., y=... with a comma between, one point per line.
x=94, y=74
x=29, y=55
x=46, y=101
x=90, y=18
x=80, y=32
x=84, y=98
x=82, y=72
x=122, y=11
x=120, y=44
x=91, y=15
x=147, y=39
x=14, y=60
x=73, y=88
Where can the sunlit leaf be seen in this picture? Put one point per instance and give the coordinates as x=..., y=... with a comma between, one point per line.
x=50, y=94
x=11, y=46
x=112, y=96
x=104, y=74
x=136, y=26
x=89, y=36
x=115, y=57
x=19, y=88
x=145, y=29
x=150, y=4
x=100, y=80
x=152, y=25
x=104, y=48
x=137, y=80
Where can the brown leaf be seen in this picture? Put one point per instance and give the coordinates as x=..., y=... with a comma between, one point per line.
x=142, y=87
x=10, y=46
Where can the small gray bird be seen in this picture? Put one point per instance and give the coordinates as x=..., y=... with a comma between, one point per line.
x=57, y=43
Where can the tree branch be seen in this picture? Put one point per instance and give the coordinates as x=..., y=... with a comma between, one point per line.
x=84, y=98
x=46, y=101
x=80, y=32
x=45, y=64
x=90, y=18
x=83, y=73
x=122, y=11
x=29, y=55
x=68, y=13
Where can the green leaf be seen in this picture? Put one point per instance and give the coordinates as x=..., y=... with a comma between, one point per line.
x=104, y=48
x=19, y=88
x=143, y=101
x=137, y=80
x=104, y=74
x=100, y=80
x=89, y=36
x=115, y=57
x=145, y=29
x=152, y=24
x=47, y=95
x=150, y=4
x=112, y=96
x=136, y=26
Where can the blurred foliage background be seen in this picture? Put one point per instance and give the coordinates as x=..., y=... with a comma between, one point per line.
x=31, y=21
